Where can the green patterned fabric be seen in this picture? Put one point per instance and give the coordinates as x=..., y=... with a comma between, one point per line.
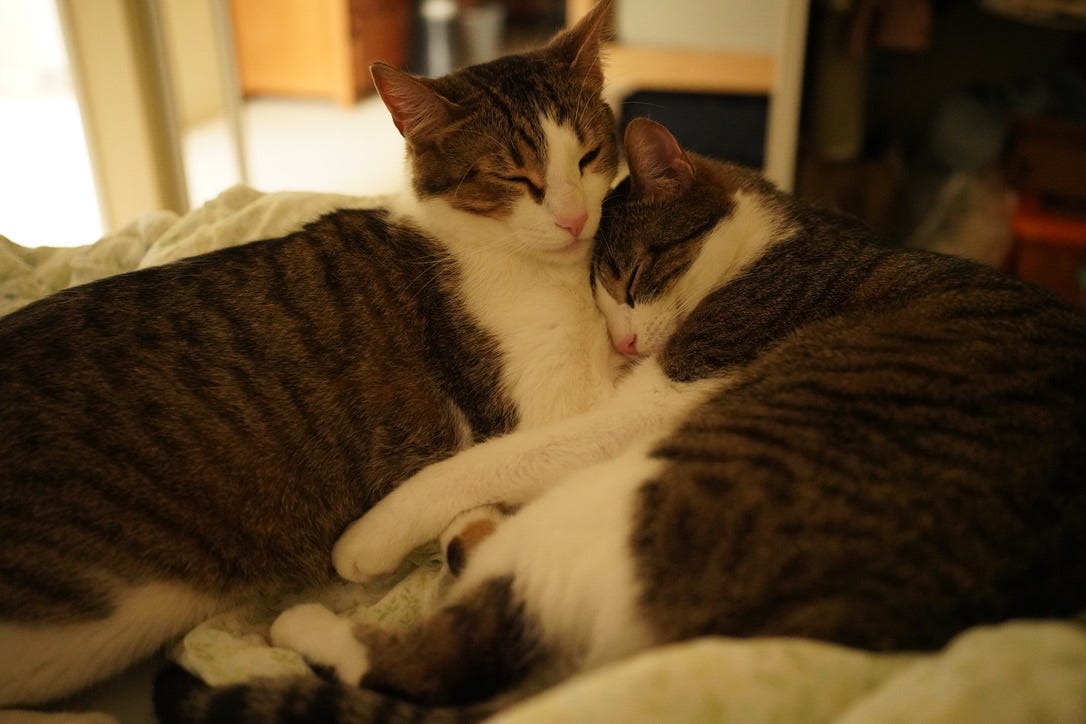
x=1018, y=672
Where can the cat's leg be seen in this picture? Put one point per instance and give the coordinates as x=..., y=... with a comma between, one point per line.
x=512, y=469
x=44, y=661
x=551, y=590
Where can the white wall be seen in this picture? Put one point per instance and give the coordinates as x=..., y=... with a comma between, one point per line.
x=31, y=46
x=194, y=62
x=732, y=25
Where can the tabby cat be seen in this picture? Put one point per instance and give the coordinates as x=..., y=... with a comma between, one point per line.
x=888, y=448
x=178, y=437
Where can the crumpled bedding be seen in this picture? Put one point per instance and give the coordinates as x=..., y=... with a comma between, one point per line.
x=1021, y=671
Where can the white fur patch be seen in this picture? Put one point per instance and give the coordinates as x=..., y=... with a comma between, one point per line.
x=739, y=239
x=571, y=561
x=43, y=662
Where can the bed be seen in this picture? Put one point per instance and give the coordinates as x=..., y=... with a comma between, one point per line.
x=1020, y=671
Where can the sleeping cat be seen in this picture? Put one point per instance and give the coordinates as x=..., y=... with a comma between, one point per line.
x=888, y=448
x=178, y=437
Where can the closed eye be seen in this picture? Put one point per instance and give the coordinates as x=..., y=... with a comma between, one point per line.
x=630, y=285
x=589, y=158
x=533, y=188
x=685, y=239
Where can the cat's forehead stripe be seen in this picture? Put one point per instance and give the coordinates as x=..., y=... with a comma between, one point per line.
x=515, y=82
x=514, y=152
x=524, y=86
x=528, y=136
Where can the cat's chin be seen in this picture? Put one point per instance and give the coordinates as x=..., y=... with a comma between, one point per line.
x=571, y=252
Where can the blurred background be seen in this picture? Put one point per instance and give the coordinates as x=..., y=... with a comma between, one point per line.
x=958, y=125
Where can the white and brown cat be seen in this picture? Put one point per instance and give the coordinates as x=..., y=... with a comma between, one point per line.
x=174, y=439
x=828, y=438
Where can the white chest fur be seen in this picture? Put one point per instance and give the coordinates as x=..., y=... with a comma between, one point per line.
x=557, y=356
x=525, y=280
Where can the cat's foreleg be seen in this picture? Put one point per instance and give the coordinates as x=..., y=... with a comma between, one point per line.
x=509, y=470
x=513, y=469
x=553, y=590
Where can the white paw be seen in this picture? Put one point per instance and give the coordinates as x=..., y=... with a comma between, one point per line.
x=298, y=625
x=323, y=638
x=368, y=549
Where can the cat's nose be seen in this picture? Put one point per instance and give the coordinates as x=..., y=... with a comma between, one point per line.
x=573, y=224
x=626, y=345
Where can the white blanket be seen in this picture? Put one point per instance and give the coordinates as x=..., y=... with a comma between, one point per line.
x=1022, y=671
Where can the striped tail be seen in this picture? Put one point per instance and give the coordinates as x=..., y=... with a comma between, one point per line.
x=181, y=698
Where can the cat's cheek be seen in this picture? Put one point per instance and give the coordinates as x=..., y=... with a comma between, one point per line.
x=615, y=315
x=533, y=228
x=653, y=323
x=595, y=190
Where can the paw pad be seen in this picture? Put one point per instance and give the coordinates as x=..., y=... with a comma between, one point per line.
x=468, y=530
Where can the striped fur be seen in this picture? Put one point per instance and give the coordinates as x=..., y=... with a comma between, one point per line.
x=210, y=427
x=888, y=448
x=300, y=699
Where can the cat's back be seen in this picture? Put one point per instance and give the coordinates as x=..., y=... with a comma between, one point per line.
x=351, y=294
x=233, y=280
x=905, y=465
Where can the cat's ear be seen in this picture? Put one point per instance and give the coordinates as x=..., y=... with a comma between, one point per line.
x=580, y=45
x=659, y=169
x=421, y=114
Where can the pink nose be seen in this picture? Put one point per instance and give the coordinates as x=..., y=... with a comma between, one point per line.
x=626, y=345
x=573, y=224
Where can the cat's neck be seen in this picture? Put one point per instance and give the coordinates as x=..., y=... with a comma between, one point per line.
x=557, y=356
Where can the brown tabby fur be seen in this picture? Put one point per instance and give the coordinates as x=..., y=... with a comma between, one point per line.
x=219, y=420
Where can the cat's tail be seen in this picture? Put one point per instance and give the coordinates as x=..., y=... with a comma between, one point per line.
x=181, y=698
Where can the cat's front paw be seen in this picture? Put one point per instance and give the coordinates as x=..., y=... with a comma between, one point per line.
x=323, y=639
x=369, y=549
x=412, y=514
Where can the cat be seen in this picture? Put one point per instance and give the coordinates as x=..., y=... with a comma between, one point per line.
x=888, y=449
x=179, y=437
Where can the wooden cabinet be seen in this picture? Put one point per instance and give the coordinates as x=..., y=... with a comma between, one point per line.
x=317, y=48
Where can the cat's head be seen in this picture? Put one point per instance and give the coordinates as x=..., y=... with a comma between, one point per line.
x=518, y=152
x=679, y=227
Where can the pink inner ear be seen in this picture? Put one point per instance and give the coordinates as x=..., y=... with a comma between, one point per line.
x=658, y=166
x=418, y=111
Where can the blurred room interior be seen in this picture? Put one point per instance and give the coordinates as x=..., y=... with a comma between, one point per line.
x=951, y=124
